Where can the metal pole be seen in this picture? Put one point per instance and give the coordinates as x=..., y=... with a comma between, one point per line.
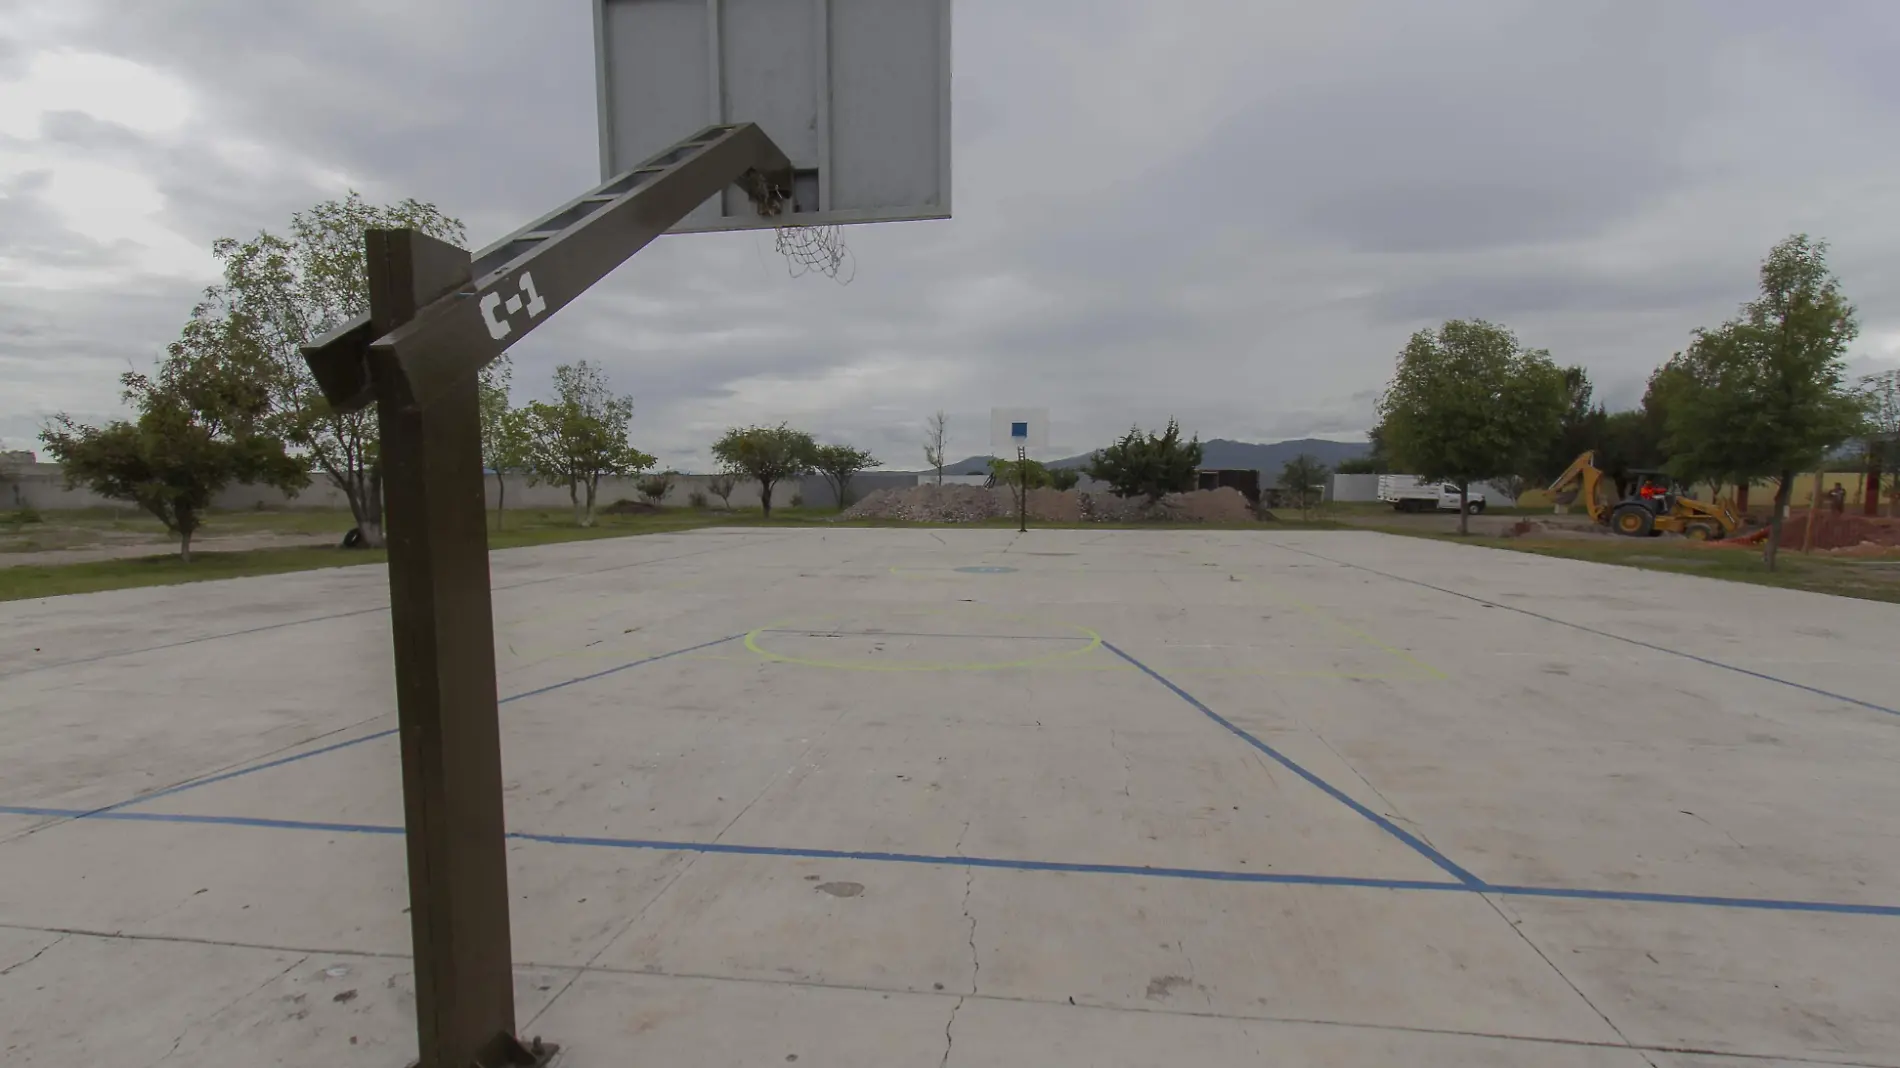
x=446, y=710
x=1022, y=502
x=1814, y=515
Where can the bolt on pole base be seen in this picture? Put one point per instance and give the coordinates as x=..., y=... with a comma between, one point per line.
x=507, y=1051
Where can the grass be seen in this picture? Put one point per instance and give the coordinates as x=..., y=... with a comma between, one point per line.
x=1867, y=579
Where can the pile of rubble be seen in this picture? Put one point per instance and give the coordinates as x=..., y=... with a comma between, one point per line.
x=974, y=504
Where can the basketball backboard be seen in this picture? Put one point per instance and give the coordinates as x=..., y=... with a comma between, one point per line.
x=1018, y=428
x=856, y=93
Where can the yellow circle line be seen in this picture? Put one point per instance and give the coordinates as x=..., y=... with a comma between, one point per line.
x=752, y=644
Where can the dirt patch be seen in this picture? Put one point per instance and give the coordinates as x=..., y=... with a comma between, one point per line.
x=974, y=504
x=1840, y=531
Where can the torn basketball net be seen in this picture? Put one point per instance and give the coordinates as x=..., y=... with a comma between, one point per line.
x=806, y=249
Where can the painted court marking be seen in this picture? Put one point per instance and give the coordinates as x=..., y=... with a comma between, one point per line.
x=1462, y=881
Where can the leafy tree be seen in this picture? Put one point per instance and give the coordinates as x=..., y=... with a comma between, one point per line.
x=1763, y=394
x=767, y=455
x=936, y=436
x=1303, y=479
x=279, y=293
x=197, y=431
x=655, y=487
x=504, y=445
x=581, y=437
x=1881, y=393
x=1064, y=478
x=1150, y=465
x=1018, y=476
x=839, y=464
x=1374, y=462
x=1581, y=427
x=721, y=485
x=1467, y=403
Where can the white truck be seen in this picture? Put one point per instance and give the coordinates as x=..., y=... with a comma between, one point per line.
x=1407, y=494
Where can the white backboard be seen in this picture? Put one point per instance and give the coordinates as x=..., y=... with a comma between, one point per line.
x=1013, y=428
x=855, y=92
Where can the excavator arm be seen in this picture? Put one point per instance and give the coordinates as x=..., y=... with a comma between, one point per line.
x=1582, y=480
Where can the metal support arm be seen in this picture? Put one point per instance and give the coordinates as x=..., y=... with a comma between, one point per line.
x=521, y=280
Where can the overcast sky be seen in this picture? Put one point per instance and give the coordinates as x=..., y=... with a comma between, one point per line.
x=1232, y=212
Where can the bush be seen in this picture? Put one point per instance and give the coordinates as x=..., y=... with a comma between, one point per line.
x=798, y=500
x=22, y=515
x=655, y=487
x=696, y=500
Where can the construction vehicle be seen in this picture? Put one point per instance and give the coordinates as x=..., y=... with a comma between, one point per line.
x=1656, y=507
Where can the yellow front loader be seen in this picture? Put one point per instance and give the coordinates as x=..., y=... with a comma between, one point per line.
x=1656, y=508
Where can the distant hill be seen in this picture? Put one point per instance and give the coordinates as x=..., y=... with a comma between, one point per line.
x=1219, y=452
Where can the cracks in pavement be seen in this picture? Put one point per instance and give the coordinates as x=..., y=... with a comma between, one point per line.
x=9, y=969
x=949, y=1040
x=969, y=880
x=1127, y=768
x=222, y=1009
x=1517, y=930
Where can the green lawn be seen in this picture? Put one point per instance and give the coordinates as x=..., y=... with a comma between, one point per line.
x=518, y=528
x=1869, y=579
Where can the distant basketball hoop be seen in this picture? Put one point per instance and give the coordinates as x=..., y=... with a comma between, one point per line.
x=1019, y=430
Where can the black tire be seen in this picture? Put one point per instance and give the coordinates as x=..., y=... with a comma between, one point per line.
x=1474, y=507
x=354, y=539
x=1700, y=532
x=1633, y=521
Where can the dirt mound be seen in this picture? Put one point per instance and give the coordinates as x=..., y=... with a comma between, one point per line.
x=626, y=507
x=1839, y=531
x=930, y=504
x=974, y=504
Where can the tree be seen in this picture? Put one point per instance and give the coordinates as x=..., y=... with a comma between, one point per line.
x=1882, y=407
x=655, y=487
x=1018, y=476
x=1064, y=478
x=1374, y=462
x=936, y=437
x=1581, y=427
x=765, y=454
x=839, y=464
x=196, y=432
x=1468, y=402
x=1148, y=465
x=721, y=485
x=1763, y=394
x=504, y=449
x=581, y=437
x=279, y=293
x=1304, y=479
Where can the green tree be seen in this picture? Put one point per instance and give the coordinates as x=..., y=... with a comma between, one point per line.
x=197, y=431
x=1881, y=393
x=504, y=448
x=1582, y=426
x=1064, y=478
x=1765, y=393
x=839, y=464
x=767, y=455
x=1150, y=465
x=721, y=486
x=1467, y=403
x=279, y=293
x=655, y=487
x=1303, y=479
x=581, y=437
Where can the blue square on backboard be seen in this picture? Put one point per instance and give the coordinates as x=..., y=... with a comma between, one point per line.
x=1019, y=430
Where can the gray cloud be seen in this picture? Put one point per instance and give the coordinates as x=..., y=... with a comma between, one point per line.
x=1227, y=210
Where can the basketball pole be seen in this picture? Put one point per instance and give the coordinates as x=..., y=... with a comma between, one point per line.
x=437, y=317
x=1022, y=502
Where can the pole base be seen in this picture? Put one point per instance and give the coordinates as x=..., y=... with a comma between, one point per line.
x=507, y=1051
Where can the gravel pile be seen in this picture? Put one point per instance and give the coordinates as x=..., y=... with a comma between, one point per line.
x=973, y=504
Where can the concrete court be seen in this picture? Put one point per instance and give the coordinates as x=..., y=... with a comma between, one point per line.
x=935, y=797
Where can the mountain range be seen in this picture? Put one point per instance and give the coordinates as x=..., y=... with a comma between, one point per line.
x=1265, y=458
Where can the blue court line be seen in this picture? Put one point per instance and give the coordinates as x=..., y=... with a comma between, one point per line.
x=1829, y=694
x=820, y=632
x=1418, y=845
x=1001, y=864
x=281, y=761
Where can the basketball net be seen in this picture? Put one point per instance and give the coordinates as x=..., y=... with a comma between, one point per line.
x=807, y=249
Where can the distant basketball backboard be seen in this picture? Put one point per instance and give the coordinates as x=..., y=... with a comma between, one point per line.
x=856, y=93
x=1018, y=428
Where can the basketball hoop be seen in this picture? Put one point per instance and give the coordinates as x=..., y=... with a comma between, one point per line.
x=815, y=248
